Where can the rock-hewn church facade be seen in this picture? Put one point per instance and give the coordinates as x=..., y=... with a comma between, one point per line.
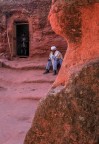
x=30, y=18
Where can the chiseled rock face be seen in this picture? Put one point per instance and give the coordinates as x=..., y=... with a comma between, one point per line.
x=41, y=35
x=69, y=113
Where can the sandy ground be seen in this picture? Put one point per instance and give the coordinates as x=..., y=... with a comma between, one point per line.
x=21, y=87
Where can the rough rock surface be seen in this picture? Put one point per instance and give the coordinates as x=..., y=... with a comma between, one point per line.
x=69, y=113
x=41, y=35
x=69, y=116
x=77, y=21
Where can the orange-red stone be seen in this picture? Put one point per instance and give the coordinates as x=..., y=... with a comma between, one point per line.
x=79, y=25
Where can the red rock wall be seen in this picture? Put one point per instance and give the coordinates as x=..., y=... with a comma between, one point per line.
x=2, y=33
x=36, y=14
x=69, y=112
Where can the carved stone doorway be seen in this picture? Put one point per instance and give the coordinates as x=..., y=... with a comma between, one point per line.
x=21, y=38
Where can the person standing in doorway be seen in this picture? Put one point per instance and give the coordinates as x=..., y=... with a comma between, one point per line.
x=23, y=44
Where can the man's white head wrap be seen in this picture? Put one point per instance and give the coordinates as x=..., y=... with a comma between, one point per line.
x=53, y=48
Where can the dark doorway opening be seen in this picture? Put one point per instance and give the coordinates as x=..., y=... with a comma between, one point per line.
x=22, y=39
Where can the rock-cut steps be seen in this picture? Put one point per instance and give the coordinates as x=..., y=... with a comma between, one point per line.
x=22, y=85
x=25, y=77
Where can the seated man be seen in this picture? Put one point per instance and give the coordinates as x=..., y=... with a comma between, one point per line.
x=55, y=59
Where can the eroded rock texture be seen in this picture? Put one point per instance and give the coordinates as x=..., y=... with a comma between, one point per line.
x=35, y=13
x=69, y=116
x=69, y=113
x=78, y=22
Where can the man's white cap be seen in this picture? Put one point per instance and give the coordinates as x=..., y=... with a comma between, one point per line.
x=53, y=48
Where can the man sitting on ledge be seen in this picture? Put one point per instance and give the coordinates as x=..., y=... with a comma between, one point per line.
x=55, y=60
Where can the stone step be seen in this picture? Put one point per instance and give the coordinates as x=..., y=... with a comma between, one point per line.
x=39, y=81
x=26, y=67
x=17, y=76
x=25, y=64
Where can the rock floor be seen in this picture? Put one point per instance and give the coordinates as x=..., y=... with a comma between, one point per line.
x=22, y=85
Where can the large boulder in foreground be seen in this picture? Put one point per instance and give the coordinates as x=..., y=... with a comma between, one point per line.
x=69, y=113
x=69, y=116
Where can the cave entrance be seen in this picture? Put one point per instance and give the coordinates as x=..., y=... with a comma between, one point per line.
x=21, y=41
